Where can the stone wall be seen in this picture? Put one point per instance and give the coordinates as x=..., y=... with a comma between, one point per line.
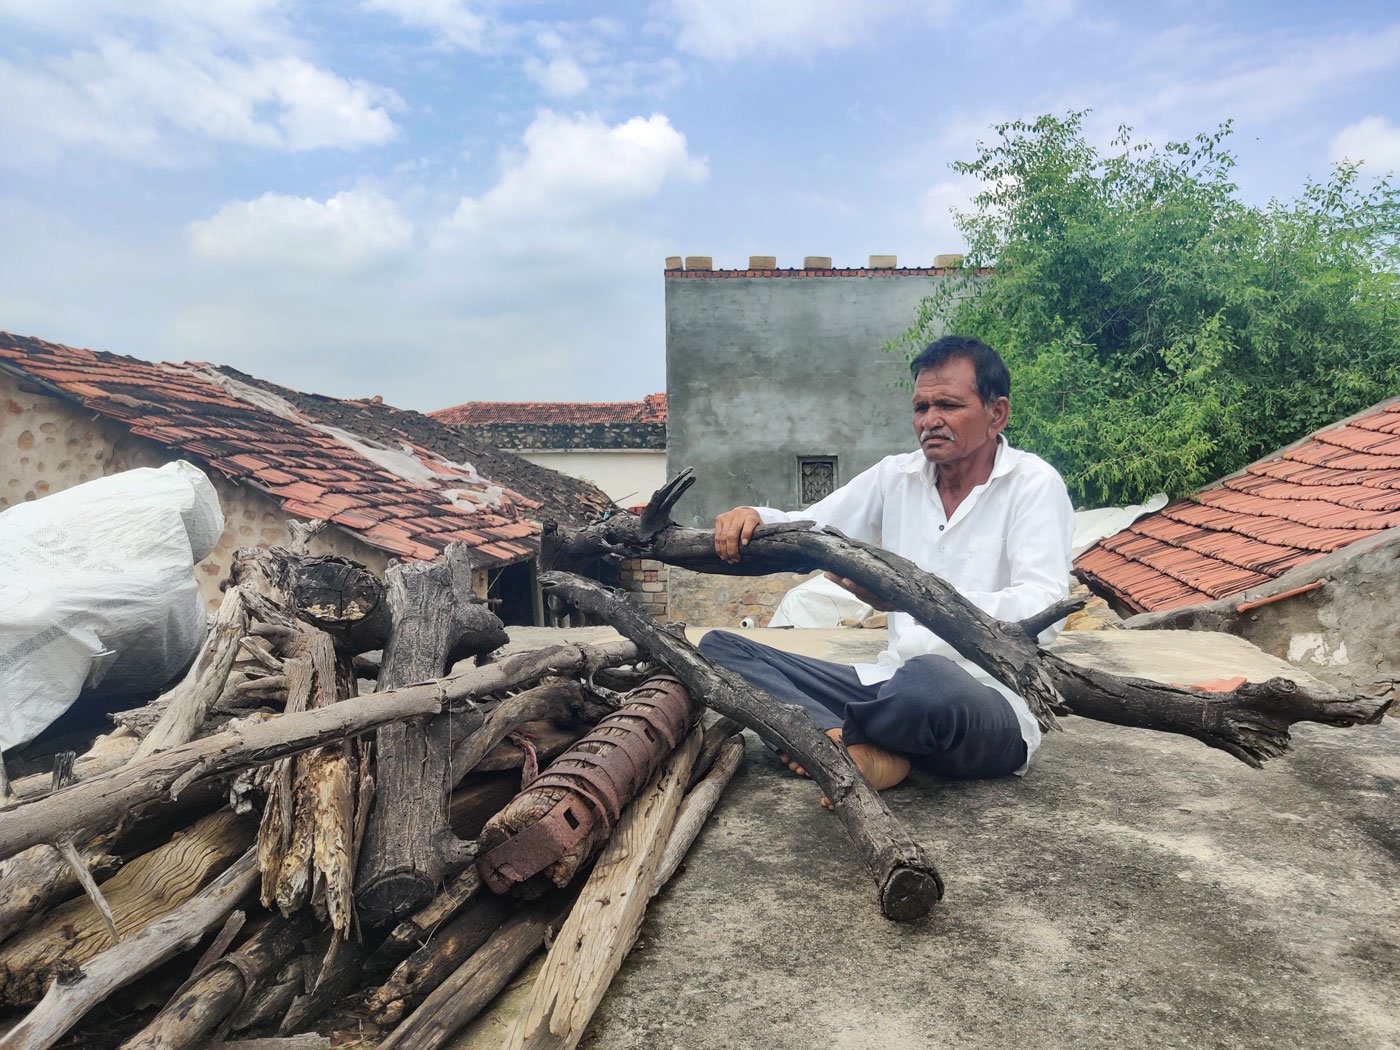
x=708, y=600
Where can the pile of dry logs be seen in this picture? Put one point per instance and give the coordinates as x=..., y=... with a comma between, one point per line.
x=264, y=857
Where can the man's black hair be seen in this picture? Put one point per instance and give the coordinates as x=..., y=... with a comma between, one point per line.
x=993, y=380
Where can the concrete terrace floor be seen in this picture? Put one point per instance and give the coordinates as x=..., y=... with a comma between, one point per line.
x=1135, y=888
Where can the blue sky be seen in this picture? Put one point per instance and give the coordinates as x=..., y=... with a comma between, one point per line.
x=449, y=200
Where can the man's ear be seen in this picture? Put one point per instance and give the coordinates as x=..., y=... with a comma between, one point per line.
x=1001, y=414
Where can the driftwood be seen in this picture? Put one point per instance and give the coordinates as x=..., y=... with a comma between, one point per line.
x=1250, y=722
x=906, y=879
x=550, y=699
x=408, y=846
x=40, y=877
x=150, y=886
x=437, y=959
x=698, y=805
x=189, y=702
x=600, y=930
x=198, y=1009
x=419, y=927
x=94, y=805
x=66, y=1002
x=332, y=594
x=480, y=979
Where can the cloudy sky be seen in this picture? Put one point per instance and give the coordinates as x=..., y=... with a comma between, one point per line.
x=449, y=200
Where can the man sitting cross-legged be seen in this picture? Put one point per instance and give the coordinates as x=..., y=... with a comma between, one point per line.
x=992, y=521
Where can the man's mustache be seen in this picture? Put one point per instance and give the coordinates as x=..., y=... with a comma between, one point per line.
x=924, y=435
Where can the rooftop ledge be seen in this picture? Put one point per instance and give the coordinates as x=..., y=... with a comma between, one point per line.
x=702, y=266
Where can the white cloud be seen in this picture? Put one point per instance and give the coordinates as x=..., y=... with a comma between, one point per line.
x=345, y=232
x=558, y=78
x=207, y=73
x=936, y=209
x=453, y=21
x=1373, y=140
x=578, y=166
x=730, y=29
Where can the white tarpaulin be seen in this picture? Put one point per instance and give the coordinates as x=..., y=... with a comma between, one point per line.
x=97, y=587
x=818, y=603
x=1090, y=526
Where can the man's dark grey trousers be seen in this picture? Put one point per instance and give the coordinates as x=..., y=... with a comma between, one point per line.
x=932, y=710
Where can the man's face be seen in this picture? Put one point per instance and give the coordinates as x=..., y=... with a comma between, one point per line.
x=950, y=420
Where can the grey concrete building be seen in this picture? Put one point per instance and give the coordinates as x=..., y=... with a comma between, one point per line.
x=778, y=387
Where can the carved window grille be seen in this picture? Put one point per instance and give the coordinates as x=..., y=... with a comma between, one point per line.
x=816, y=478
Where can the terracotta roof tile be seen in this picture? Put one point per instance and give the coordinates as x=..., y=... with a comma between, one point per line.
x=651, y=409
x=312, y=472
x=1337, y=486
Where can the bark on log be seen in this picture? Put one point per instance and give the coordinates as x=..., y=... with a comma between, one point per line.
x=699, y=803
x=189, y=702
x=1250, y=722
x=332, y=594
x=408, y=847
x=480, y=979
x=716, y=737
x=150, y=886
x=65, y=1002
x=425, y=969
x=551, y=699
x=202, y=1006
x=415, y=930
x=603, y=925
x=339, y=974
x=907, y=881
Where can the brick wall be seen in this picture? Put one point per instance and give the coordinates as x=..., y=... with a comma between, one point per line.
x=647, y=581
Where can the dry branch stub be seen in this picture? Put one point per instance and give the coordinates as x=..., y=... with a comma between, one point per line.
x=561, y=819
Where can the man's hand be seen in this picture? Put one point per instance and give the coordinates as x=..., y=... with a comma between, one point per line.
x=733, y=529
x=874, y=601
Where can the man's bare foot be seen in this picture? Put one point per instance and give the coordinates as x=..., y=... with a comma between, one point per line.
x=881, y=768
x=792, y=765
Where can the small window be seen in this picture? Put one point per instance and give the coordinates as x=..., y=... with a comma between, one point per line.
x=816, y=478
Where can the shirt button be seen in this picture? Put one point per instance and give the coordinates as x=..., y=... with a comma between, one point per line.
x=940, y=528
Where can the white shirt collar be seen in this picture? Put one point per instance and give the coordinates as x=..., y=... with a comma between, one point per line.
x=1004, y=463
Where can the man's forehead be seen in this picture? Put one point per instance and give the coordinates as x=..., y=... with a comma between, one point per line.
x=957, y=375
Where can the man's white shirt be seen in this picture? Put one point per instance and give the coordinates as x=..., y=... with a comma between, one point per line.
x=1006, y=548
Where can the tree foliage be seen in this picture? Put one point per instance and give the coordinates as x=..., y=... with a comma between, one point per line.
x=1161, y=332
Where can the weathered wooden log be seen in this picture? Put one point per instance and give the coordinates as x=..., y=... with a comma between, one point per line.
x=268, y=1004
x=35, y=880
x=908, y=883
x=699, y=803
x=150, y=886
x=333, y=594
x=200, y=1008
x=560, y=820
x=555, y=698
x=189, y=702
x=602, y=926
x=425, y=969
x=409, y=847
x=92, y=806
x=66, y=1001
x=95, y=804
x=106, y=753
x=417, y=928
x=1250, y=722
x=480, y=979
x=340, y=972
x=306, y=837
x=716, y=737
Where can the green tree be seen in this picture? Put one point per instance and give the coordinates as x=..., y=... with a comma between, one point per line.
x=1160, y=332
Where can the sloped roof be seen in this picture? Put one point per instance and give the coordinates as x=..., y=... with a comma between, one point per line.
x=562, y=498
x=651, y=409
x=398, y=497
x=1333, y=488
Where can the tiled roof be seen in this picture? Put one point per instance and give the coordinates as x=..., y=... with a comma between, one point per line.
x=404, y=499
x=651, y=409
x=567, y=500
x=1331, y=489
